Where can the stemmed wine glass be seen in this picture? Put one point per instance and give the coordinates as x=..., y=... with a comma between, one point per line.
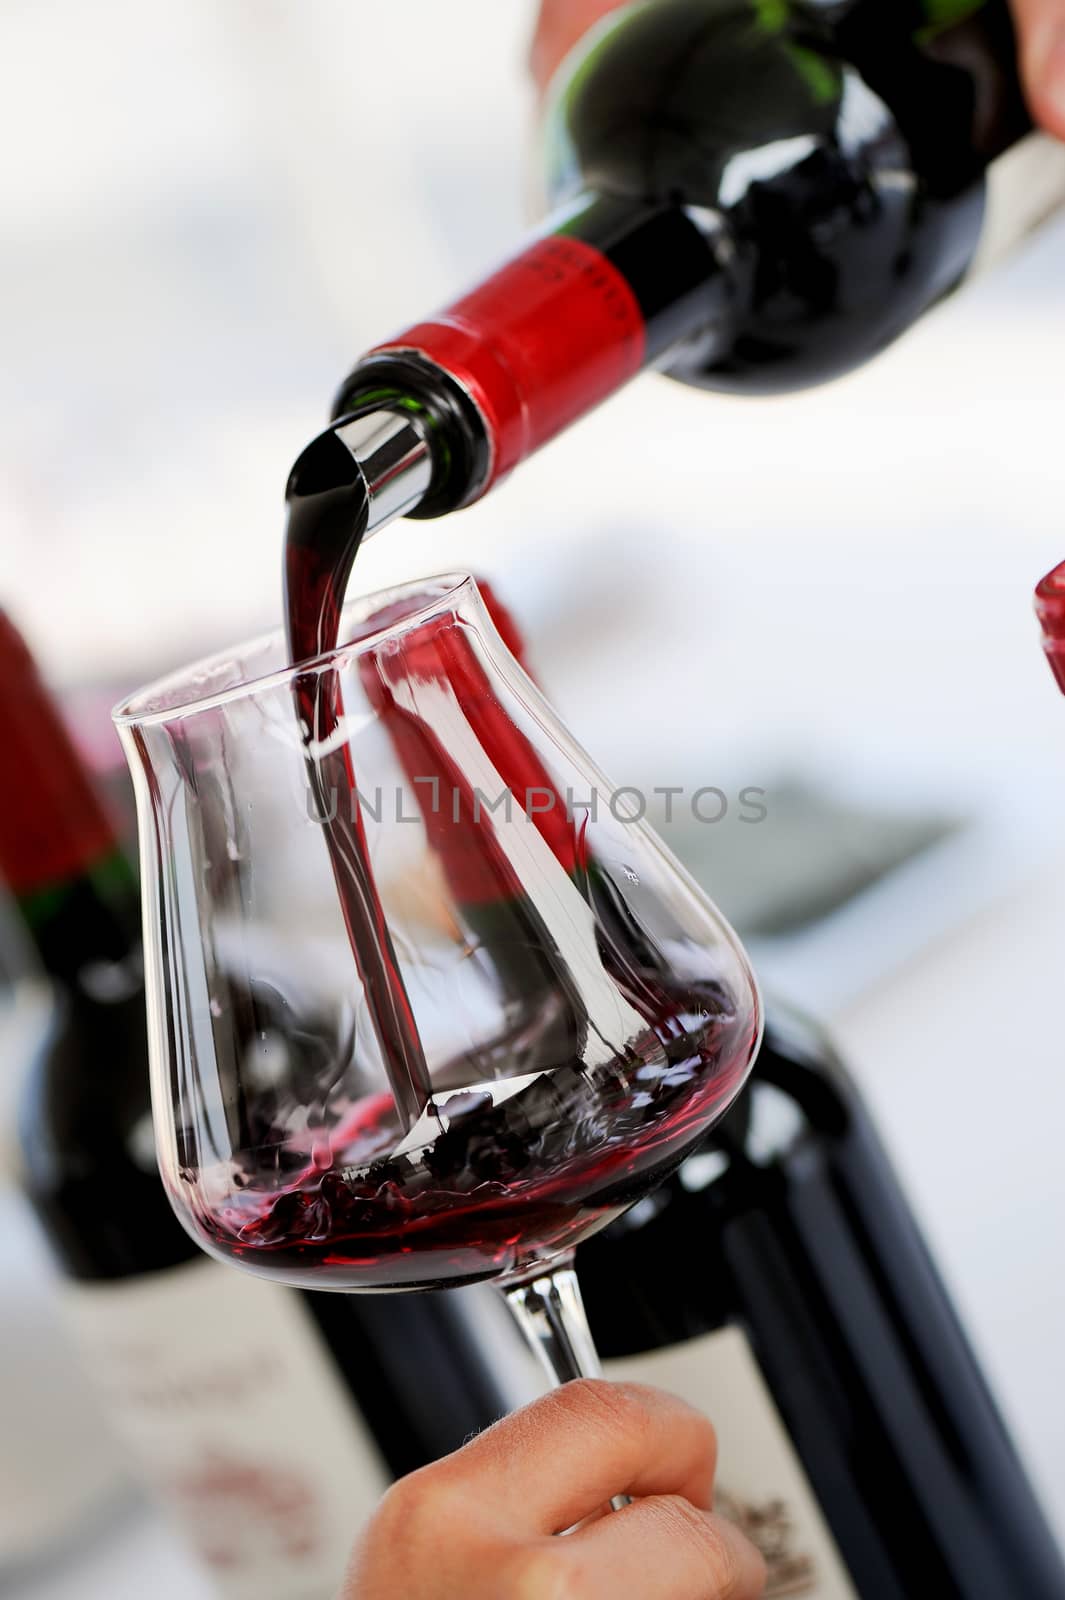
x=428, y=1004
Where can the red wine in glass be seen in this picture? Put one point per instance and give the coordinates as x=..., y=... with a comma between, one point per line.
x=503, y=1172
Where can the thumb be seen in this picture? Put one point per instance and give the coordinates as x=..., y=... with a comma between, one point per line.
x=561, y=23
x=1041, y=25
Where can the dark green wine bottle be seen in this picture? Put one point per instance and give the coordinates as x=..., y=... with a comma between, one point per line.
x=750, y=195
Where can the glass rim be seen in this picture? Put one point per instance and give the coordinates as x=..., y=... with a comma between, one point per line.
x=142, y=708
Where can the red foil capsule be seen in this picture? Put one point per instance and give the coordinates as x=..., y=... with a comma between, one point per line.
x=52, y=825
x=1050, y=609
x=538, y=344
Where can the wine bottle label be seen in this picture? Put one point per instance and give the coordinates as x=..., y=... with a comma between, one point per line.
x=224, y=1393
x=1024, y=186
x=761, y=1484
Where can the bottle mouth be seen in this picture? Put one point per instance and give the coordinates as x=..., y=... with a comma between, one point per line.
x=378, y=459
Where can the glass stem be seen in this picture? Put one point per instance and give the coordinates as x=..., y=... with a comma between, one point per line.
x=550, y=1313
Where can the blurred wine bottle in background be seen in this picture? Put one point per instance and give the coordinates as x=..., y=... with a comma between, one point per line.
x=779, y=1282
x=268, y=1422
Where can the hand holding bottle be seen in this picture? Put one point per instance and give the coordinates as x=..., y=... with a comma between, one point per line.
x=1041, y=24
x=482, y=1522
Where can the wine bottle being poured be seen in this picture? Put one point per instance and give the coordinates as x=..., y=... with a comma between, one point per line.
x=749, y=197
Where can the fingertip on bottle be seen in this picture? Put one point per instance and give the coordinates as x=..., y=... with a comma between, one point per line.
x=1046, y=76
x=560, y=26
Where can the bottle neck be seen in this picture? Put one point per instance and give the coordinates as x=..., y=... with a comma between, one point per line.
x=87, y=924
x=59, y=857
x=670, y=257
x=609, y=288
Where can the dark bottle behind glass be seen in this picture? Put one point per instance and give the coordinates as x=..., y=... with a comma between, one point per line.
x=779, y=1282
x=751, y=195
x=269, y=1421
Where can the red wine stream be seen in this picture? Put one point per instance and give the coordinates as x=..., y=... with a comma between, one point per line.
x=325, y=526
